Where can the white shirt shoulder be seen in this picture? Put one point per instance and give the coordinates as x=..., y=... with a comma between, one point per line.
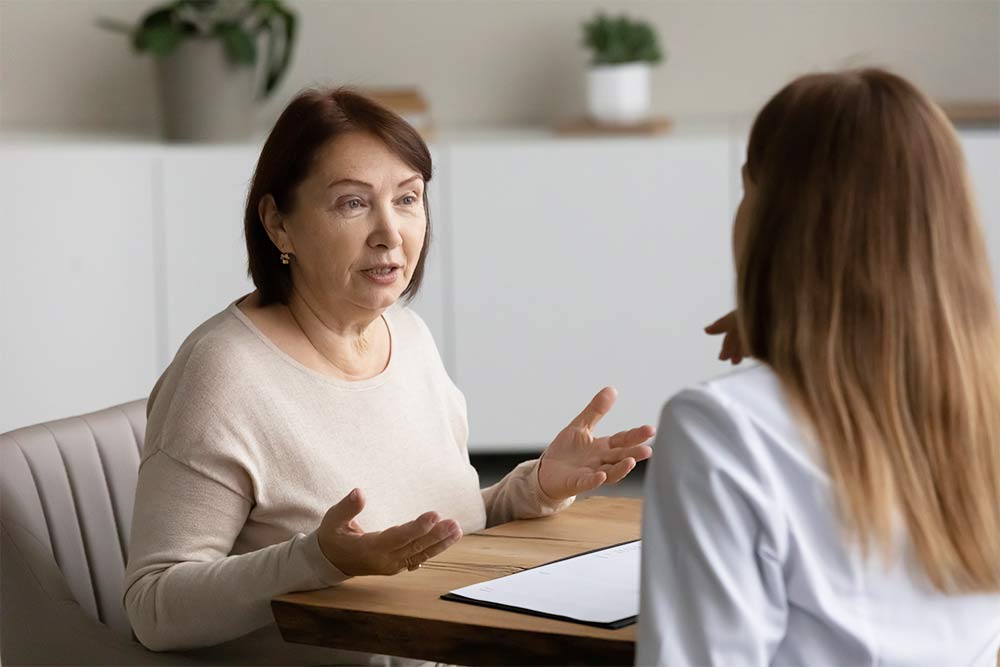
x=745, y=560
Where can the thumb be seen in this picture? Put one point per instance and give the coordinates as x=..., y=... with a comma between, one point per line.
x=349, y=507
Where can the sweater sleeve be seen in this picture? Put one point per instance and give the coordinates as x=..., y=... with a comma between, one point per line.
x=519, y=496
x=182, y=588
x=712, y=585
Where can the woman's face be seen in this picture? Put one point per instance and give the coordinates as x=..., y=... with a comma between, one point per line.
x=357, y=225
x=742, y=214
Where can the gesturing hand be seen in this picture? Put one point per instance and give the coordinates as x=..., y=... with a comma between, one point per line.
x=732, y=344
x=390, y=551
x=576, y=461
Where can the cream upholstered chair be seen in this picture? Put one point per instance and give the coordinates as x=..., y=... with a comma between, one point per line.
x=68, y=488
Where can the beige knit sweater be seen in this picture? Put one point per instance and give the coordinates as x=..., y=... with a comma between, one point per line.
x=245, y=451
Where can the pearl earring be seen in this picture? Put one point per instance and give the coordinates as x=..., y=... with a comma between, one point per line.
x=284, y=258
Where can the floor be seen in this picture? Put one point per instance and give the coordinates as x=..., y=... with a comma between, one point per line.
x=492, y=468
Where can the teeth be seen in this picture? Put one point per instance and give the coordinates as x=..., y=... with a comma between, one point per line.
x=382, y=271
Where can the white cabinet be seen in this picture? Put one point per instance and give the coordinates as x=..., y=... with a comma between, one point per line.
x=76, y=281
x=200, y=224
x=982, y=155
x=557, y=266
x=584, y=263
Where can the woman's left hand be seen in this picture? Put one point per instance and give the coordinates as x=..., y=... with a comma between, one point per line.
x=576, y=461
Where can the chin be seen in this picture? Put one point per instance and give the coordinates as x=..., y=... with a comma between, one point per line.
x=382, y=301
x=376, y=297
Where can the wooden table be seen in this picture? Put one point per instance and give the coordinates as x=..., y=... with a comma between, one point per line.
x=403, y=615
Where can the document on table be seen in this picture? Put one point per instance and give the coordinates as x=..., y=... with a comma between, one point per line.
x=598, y=588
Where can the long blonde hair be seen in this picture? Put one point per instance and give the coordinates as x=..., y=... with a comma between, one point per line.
x=863, y=282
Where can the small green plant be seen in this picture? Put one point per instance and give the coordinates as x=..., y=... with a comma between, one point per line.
x=615, y=41
x=238, y=23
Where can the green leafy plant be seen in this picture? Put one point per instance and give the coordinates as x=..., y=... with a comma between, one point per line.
x=237, y=23
x=615, y=41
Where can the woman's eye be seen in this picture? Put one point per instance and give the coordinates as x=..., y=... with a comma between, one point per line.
x=409, y=200
x=353, y=204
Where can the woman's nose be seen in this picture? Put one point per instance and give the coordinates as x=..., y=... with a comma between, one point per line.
x=387, y=229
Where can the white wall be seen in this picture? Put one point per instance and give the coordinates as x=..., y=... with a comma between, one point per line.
x=507, y=61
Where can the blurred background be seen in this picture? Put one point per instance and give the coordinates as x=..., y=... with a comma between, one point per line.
x=581, y=214
x=506, y=62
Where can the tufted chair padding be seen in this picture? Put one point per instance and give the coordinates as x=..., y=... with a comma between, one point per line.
x=70, y=486
x=67, y=489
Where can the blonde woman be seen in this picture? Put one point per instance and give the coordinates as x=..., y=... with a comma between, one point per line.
x=839, y=503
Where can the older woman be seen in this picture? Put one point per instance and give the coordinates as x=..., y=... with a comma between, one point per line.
x=309, y=432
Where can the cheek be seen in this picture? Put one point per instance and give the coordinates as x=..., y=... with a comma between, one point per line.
x=413, y=240
x=340, y=247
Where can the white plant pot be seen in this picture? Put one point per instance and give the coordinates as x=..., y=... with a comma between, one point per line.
x=619, y=94
x=204, y=97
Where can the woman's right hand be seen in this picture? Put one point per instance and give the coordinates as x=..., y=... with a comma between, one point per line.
x=390, y=551
x=732, y=345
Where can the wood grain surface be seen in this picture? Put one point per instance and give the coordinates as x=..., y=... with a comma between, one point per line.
x=583, y=127
x=403, y=615
x=977, y=113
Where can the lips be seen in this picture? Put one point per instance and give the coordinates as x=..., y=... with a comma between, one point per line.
x=383, y=274
x=381, y=269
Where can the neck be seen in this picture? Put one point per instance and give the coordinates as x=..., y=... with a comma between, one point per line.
x=352, y=341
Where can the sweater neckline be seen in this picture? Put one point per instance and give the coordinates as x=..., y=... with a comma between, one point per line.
x=351, y=385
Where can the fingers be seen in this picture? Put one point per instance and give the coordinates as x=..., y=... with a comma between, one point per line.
x=398, y=537
x=343, y=513
x=443, y=535
x=618, y=471
x=588, y=479
x=727, y=344
x=637, y=452
x=732, y=348
x=632, y=436
x=599, y=406
x=723, y=324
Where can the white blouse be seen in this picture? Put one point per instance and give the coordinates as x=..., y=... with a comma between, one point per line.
x=744, y=561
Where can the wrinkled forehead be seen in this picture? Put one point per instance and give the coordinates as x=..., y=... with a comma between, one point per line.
x=363, y=157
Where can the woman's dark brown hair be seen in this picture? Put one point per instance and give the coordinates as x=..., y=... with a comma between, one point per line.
x=314, y=118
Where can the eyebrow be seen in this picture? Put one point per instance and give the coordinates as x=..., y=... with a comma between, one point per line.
x=354, y=181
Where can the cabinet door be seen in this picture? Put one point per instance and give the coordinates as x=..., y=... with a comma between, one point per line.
x=982, y=154
x=204, y=192
x=76, y=281
x=579, y=264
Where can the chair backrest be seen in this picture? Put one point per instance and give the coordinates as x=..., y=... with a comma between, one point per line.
x=69, y=486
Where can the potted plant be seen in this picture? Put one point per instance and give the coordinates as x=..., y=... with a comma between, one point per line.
x=618, y=82
x=207, y=55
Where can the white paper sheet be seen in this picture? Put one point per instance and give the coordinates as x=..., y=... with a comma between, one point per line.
x=599, y=587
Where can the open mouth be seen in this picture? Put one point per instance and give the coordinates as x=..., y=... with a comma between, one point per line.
x=383, y=274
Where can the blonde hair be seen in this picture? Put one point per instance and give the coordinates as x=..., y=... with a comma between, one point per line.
x=864, y=283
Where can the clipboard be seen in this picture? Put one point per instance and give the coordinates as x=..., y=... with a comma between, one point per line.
x=617, y=555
